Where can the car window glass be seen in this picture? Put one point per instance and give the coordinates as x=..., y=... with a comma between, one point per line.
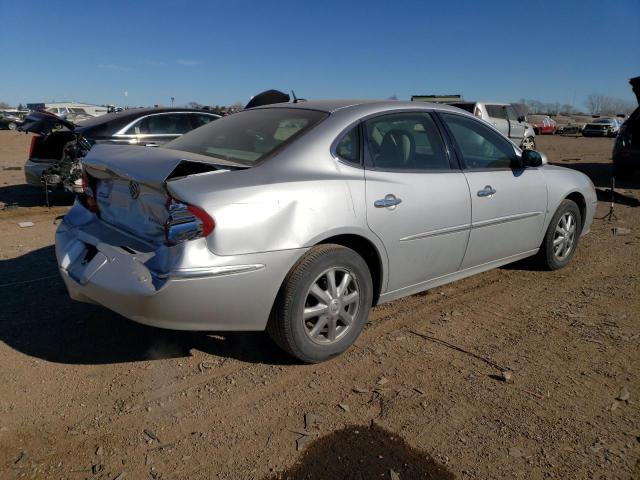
x=511, y=113
x=201, y=119
x=248, y=136
x=405, y=141
x=480, y=146
x=349, y=146
x=496, y=111
x=163, y=124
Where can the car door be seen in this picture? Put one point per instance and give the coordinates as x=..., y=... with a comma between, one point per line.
x=416, y=202
x=508, y=204
x=516, y=127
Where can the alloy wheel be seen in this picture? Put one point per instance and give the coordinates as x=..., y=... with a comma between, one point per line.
x=564, y=236
x=528, y=143
x=331, y=305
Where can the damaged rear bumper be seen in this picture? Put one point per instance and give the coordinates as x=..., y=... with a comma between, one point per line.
x=199, y=290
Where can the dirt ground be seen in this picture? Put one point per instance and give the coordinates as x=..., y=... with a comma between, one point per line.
x=86, y=393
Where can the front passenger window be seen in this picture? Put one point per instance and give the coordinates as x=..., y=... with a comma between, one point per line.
x=481, y=147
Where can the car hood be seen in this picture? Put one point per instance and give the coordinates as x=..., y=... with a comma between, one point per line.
x=43, y=123
x=151, y=165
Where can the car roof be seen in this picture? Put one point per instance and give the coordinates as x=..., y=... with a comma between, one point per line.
x=331, y=106
x=107, y=125
x=133, y=113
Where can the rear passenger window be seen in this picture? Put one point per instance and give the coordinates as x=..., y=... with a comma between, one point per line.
x=162, y=124
x=405, y=141
x=200, y=119
x=497, y=111
x=349, y=146
x=480, y=146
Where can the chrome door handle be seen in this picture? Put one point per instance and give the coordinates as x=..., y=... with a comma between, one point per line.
x=487, y=191
x=390, y=200
x=151, y=145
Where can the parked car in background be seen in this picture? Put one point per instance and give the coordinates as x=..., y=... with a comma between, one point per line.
x=59, y=145
x=62, y=109
x=298, y=217
x=9, y=119
x=545, y=126
x=626, y=150
x=602, y=127
x=504, y=117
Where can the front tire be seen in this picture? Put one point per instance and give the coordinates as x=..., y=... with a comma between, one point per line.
x=323, y=304
x=561, y=240
x=12, y=126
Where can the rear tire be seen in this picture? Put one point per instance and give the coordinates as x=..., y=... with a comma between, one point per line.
x=561, y=240
x=322, y=305
x=12, y=126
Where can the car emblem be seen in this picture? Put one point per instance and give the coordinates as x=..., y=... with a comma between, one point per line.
x=134, y=190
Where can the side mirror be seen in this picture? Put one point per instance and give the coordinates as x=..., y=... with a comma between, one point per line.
x=521, y=118
x=531, y=158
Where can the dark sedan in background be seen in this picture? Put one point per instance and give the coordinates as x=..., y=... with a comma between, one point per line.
x=59, y=145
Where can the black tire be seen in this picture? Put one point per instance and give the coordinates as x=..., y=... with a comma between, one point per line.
x=547, y=256
x=12, y=126
x=286, y=325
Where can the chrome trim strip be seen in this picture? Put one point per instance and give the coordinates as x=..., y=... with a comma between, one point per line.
x=460, y=228
x=199, y=272
x=510, y=218
x=433, y=233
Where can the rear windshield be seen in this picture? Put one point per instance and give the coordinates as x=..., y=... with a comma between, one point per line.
x=247, y=137
x=464, y=106
x=603, y=120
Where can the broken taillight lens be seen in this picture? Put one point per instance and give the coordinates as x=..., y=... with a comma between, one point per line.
x=32, y=146
x=87, y=197
x=186, y=222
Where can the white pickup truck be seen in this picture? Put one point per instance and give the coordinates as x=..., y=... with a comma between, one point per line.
x=504, y=117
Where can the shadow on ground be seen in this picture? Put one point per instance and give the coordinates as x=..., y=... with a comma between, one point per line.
x=38, y=318
x=600, y=174
x=30, y=196
x=362, y=452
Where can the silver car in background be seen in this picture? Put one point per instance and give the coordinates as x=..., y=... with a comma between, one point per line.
x=505, y=118
x=298, y=218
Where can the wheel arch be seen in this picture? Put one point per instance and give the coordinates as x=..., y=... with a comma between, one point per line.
x=369, y=252
x=579, y=199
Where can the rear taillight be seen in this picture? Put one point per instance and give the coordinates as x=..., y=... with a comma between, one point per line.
x=186, y=222
x=87, y=197
x=32, y=146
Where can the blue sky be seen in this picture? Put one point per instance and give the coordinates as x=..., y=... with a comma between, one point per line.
x=220, y=52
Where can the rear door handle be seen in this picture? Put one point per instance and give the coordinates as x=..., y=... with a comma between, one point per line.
x=487, y=191
x=390, y=200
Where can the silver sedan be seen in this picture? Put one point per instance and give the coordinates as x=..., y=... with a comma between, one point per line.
x=298, y=218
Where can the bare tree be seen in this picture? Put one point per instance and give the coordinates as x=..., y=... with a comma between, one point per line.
x=595, y=103
x=599, y=104
x=4, y=105
x=195, y=105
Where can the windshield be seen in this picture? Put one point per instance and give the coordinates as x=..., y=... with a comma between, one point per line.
x=603, y=120
x=247, y=137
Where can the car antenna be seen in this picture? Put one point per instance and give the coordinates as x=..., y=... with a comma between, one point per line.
x=293, y=94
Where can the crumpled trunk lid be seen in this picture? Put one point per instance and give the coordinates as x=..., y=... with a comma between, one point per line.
x=129, y=184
